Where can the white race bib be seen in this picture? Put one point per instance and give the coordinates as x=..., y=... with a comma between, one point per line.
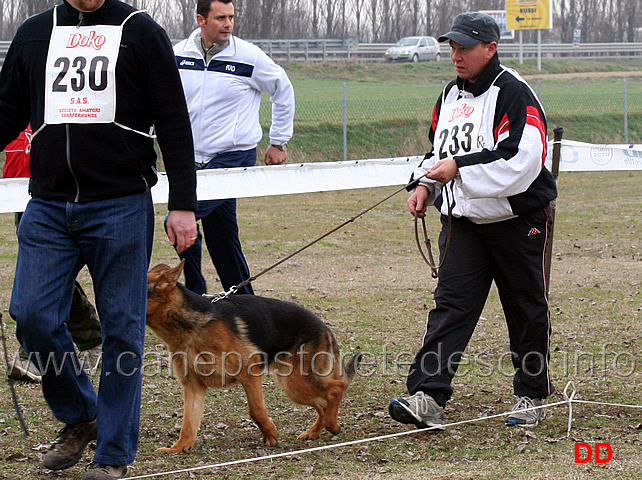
x=458, y=128
x=81, y=74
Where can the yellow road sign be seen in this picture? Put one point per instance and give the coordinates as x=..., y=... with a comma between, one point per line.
x=528, y=14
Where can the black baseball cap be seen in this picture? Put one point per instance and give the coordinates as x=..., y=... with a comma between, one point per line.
x=472, y=28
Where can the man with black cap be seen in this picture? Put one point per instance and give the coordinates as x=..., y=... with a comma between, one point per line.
x=486, y=167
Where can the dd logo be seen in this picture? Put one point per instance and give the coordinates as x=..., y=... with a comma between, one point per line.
x=584, y=452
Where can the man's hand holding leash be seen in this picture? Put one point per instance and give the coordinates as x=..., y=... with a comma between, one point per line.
x=443, y=172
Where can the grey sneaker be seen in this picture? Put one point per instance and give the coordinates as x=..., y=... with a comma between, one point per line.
x=101, y=471
x=24, y=371
x=68, y=446
x=420, y=410
x=525, y=413
x=91, y=359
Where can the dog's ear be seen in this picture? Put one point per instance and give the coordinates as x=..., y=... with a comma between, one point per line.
x=160, y=268
x=163, y=276
x=174, y=274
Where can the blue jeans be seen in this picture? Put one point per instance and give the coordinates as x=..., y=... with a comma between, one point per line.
x=114, y=239
x=221, y=232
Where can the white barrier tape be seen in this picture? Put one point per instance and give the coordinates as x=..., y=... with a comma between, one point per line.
x=260, y=181
x=327, y=176
x=568, y=400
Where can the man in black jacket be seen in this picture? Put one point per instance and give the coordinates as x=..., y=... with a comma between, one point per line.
x=95, y=77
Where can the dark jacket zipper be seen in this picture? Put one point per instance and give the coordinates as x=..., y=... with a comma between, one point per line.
x=71, y=170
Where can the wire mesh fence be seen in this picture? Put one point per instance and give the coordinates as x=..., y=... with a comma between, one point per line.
x=350, y=120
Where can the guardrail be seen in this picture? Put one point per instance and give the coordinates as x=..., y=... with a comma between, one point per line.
x=330, y=49
x=339, y=49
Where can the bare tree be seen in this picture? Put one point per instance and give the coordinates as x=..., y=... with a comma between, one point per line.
x=188, y=15
x=31, y=7
x=359, y=6
x=634, y=10
x=315, y=18
x=374, y=18
x=330, y=12
x=370, y=20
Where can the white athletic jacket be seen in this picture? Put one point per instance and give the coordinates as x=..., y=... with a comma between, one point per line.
x=224, y=96
x=502, y=172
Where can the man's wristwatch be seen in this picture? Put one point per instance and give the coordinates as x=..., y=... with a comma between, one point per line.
x=283, y=147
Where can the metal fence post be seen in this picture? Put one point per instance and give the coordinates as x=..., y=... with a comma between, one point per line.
x=345, y=123
x=626, y=114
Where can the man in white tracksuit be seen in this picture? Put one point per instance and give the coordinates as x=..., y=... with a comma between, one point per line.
x=223, y=78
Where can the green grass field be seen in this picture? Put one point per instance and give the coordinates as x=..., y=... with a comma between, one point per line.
x=389, y=106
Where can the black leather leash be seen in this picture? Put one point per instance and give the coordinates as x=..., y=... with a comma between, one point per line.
x=409, y=186
x=429, y=259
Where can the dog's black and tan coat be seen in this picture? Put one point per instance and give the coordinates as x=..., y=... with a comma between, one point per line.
x=237, y=340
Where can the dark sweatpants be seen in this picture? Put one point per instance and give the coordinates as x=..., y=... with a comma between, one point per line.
x=221, y=232
x=512, y=254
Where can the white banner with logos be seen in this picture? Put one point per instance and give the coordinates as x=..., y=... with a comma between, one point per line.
x=586, y=157
x=326, y=176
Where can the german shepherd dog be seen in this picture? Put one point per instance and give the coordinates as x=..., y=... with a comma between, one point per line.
x=238, y=339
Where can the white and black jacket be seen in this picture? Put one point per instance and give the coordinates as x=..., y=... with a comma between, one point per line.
x=508, y=177
x=224, y=96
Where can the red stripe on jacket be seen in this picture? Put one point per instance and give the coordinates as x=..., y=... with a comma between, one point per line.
x=533, y=119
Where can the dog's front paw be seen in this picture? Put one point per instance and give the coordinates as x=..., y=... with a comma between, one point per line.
x=309, y=435
x=173, y=449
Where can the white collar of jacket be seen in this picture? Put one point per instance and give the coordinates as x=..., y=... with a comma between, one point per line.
x=228, y=51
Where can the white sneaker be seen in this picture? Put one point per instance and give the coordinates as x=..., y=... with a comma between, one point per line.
x=522, y=416
x=420, y=409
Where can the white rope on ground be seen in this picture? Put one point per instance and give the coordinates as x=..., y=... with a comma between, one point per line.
x=608, y=404
x=569, y=399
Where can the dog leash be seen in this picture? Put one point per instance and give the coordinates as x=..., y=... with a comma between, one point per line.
x=409, y=186
x=430, y=260
x=12, y=386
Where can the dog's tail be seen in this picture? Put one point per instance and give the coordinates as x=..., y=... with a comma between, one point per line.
x=351, y=366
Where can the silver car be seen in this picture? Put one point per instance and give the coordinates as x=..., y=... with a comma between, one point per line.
x=413, y=49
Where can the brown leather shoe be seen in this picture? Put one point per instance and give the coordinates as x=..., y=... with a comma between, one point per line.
x=68, y=446
x=101, y=471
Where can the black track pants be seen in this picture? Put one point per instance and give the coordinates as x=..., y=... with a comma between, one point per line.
x=512, y=254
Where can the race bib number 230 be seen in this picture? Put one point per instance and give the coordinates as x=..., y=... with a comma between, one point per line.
x=80, y=78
